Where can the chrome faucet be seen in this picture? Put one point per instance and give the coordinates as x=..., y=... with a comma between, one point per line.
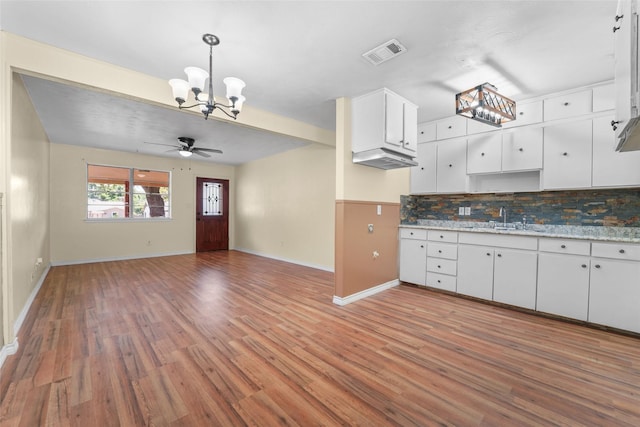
x=503, y=214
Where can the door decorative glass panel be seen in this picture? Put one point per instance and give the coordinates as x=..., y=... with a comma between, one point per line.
x=212, y=199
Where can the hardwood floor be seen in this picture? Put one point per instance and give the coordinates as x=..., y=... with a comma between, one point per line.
x=231, y=339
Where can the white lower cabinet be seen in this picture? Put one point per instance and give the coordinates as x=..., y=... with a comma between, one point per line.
x=475, y=271
x=563, y=285
x=442, y=253
x=413, y=256
x=614, y=293
x=514, y=277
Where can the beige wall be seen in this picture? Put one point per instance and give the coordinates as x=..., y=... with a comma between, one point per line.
x=28, y=212
x=284, y=206
x=74, y=239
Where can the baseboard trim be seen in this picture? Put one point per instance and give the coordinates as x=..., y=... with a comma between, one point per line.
x=123, y=258
x=364, y=294
x=7, y=350
x=292, y=261
x=27, y=306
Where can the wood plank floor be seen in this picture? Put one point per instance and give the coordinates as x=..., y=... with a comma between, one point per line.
x=231, y=339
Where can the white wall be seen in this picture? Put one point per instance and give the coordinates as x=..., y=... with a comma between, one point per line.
x=74, y=239
x=285, y=206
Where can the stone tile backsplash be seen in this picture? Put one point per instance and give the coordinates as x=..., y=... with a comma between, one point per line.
x=614, y=208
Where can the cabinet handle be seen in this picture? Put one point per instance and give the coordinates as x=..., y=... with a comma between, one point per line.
x=584, y=265
x=520, y=149
x=421, y=132
x=441, y=236
x=619, y=17
x=621, y=251
x=566, y=104
x=488, y=254
x=439, y=267
x=422, y=246
x=411, y=232
x=439, y=251
x=615, y=29
x=521, y=113
x=597, y=265
x=614, y=124
x=450, y=165
x=449, y=127
x=439, y=281
x=565, y=154
x=421, y=169
x=499, y=255
x=563, y=246
x=482, y=154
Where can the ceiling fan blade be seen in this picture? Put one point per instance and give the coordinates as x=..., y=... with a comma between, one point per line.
x=173, y=149
x=199, y=153
x=156, y=143
x=210, y=150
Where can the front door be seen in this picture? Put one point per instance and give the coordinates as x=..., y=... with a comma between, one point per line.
x=212, y=214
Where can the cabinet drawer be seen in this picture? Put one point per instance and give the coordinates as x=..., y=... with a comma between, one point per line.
x=442, y=250
x=526, y=114
x=565, y=246
x=443, y=266
x=451, y=127
x=441, y=281
x=570, y=105
x=413, y=233
x=426, y=132
x=499, y=240
x=616, y=250
x=442, y=236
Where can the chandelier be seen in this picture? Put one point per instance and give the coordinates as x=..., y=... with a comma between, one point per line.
x=484, y=104
x=196, y=78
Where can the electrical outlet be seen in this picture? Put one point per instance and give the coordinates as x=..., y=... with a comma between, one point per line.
x=460, y=210
x=370, y=228
x=467, y=210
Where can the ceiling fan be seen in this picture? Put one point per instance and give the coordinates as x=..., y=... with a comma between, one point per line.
x=186, y=147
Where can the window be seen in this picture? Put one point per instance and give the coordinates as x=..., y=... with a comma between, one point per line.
x=118, y=193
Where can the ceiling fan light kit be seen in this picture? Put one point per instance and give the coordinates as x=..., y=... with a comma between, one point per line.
x=484, y=104
x=196, y=78
x=186, y=147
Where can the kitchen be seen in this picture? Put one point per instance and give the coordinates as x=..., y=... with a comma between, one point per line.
x=348, y=198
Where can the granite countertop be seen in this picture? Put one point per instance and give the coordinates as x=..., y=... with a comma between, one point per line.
x=615, y=234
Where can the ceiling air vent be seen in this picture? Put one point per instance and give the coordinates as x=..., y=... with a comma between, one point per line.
x=384, y=52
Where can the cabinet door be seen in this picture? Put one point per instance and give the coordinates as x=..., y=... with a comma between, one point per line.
x=612, y=168
x=569, y=105
x=451, y=127
x=526, y=114
x=451, y=170
x=567, y=155
x=614, y=293
x=475, y=271
x=423, y=176
x=522, y=149
x=622, y=40
x=514, y=277
x=484, y=153
x=426, y=132
x=394, y=120
x=563, y=285
x=413, y=261
x=410, y=139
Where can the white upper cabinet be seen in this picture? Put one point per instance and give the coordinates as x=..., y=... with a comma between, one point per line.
x=484, y=153
x=612, y=168
x=451, y=168
x=567, y=155
x=426, y=132
x=451, y=127
x=522, y=149
x=383, y=119
x=569, y=105
x=527, y=113
x=625, y=36
x=423, y=176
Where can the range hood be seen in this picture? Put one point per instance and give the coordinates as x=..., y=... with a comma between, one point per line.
x=382, y=158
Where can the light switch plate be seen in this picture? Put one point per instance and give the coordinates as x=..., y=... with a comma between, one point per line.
x=467, y=210
x=461, y=210
x=370, y=227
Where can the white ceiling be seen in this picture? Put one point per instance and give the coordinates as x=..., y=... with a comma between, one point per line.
x=297, y=57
